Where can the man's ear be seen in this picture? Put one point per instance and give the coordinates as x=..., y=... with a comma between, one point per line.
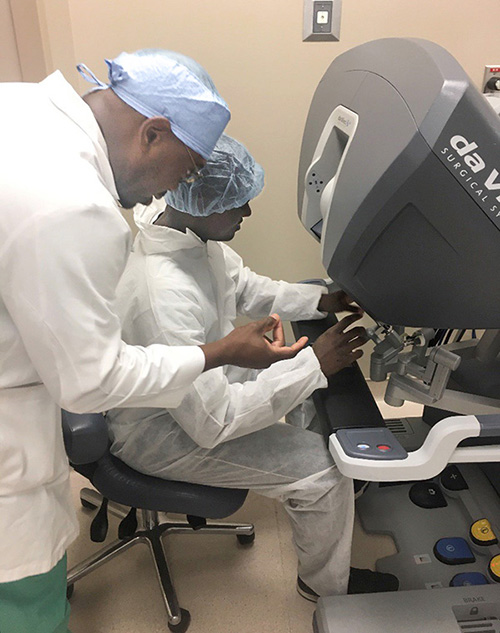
x=155, y=131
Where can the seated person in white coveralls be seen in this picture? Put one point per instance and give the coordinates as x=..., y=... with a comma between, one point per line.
x=184, y=286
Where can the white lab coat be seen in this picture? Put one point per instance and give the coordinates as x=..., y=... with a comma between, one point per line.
x=179, y=290
x=63, y=248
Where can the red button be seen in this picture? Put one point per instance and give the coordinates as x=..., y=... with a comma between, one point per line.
x=383, y=447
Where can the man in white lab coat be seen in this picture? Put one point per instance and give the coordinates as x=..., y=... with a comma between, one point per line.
x=68, y=165
x=183, y=285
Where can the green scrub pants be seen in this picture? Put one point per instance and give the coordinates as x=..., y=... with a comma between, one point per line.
x=36, y=604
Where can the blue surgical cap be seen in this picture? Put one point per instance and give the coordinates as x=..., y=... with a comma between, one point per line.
x=163, y=83
x=229, y=179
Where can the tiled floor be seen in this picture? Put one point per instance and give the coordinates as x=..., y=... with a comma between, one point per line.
x=228, y=588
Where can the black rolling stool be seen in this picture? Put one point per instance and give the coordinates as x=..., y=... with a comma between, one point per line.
x=87, y=445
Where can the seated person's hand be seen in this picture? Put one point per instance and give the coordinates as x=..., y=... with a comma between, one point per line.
x=248, y=345
x=338, y=346
x=338, y=301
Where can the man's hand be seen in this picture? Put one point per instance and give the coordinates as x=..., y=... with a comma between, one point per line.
x=248, y=346
x=338, y=301
x=337, y=347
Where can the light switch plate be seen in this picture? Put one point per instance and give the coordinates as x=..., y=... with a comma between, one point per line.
x=322, y=21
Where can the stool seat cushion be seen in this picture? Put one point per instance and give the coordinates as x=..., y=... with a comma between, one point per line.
x=119, y=483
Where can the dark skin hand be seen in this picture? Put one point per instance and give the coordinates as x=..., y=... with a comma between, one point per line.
x=338, y=301
x=248, y=346
x=337, y=347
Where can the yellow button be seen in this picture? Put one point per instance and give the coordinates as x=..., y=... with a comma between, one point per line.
x=482, y=533
x=495, y=567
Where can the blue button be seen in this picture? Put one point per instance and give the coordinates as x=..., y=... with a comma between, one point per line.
x=453, y=551
x=468, y=579
x=363, y=447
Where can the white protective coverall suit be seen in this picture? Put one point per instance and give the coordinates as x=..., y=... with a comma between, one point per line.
x=63, y=248
x=226, y=432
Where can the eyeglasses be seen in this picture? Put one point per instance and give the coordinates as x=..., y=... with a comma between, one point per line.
x=195, y=173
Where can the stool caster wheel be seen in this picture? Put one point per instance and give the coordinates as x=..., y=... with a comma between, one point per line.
x=245, y=539
x=69, y=591
x=183, y=624
x=87, y=504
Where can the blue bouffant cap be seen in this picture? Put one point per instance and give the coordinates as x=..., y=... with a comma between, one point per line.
x=162, y=83
x=229, y=179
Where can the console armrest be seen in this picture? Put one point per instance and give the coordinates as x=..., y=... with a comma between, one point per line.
x=376, y=455
x=347, y=401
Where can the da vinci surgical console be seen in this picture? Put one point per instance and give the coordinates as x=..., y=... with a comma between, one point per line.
x=399, y=182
